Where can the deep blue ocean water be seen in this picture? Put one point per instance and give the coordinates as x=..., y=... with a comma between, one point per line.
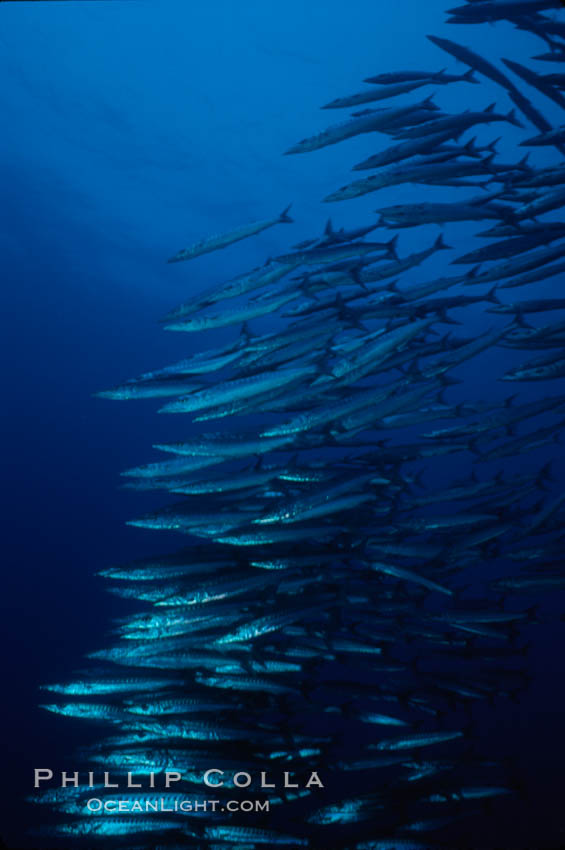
x=126, y=129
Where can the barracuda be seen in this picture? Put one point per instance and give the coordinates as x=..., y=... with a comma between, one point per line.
x=377, y=120
x=410, y=742
x=216, y=243
x=210, y=318
x=241, y=388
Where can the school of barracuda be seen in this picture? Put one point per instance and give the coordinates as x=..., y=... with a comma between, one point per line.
x=317, y=619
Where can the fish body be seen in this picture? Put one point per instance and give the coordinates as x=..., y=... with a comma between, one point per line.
x=375, y=94
x=366, y=123
x=538, y=370
x=103, y=687
x=536, y=81
x=512, y=246
x=474, y=13
x=465, y=352
x=405, y=150
x=411, y=215
x=545, y=203
x=317, y=256
x=383, y=272
x=214, y=445
x=532, y=305
x=330, y=413
x=408, y=575
x=395, y=77
x=457, y=124
x=116, y=826
x=425, y=739
x=503, y=418
x=210, y=319
x=264, y=276
x=224, y=483
x=238, y=389
x=305, y=506
x=223, y=240
x=430, y=172
x=350, y=369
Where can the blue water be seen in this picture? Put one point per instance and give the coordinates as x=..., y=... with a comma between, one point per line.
x=128, y=130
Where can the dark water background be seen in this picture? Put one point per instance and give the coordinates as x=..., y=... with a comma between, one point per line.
x=127, y=130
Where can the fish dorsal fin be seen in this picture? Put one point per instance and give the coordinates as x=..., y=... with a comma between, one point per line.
x=491, y=107
x=492, y=296
x=392, y=246
x=520, y=321
x=440, y=244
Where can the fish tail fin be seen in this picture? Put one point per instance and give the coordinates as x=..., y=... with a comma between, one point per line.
x=392, y=247
x=488, y=159
x=284, y=216
x=471, y=147
x=507, y=214
x=441, y=245
x=511, y=117
x=469, y=76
